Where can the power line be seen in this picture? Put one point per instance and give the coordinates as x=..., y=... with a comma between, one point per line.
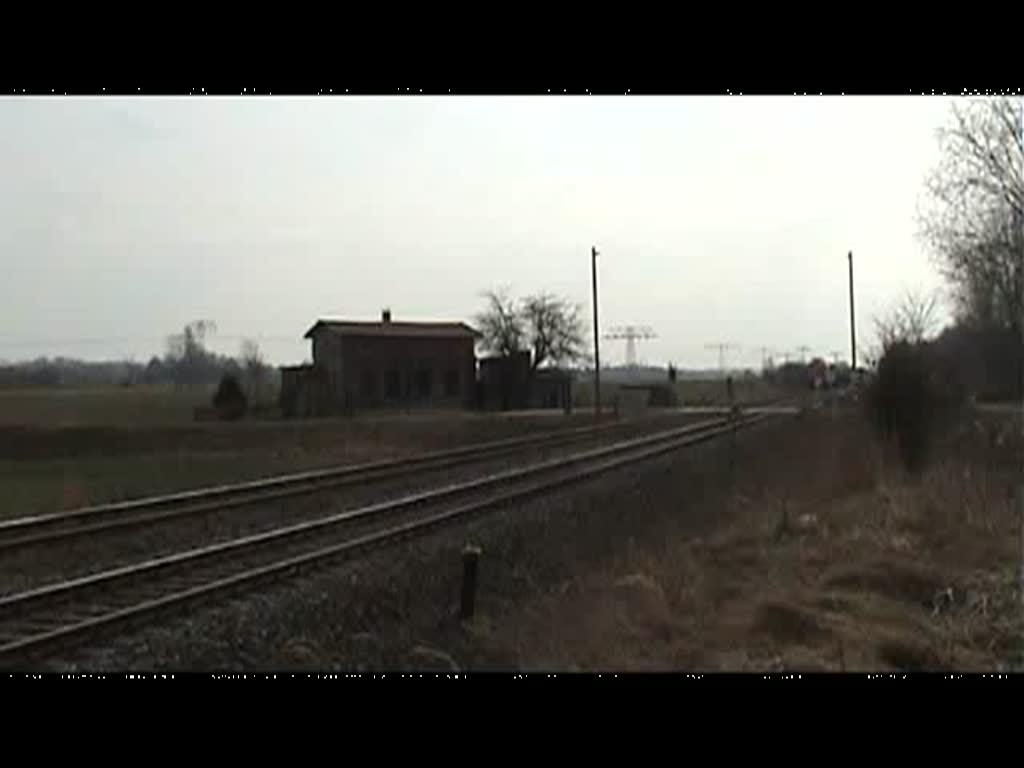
x=52, y=341
x=722, y=348
x=766, y=353
x=94, y=340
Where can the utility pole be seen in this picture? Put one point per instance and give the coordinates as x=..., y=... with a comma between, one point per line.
x=853, y=329
x=597, y=336
x=803, y=350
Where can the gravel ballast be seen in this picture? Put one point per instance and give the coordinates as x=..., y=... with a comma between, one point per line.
x=32, y=567
x=397, y=608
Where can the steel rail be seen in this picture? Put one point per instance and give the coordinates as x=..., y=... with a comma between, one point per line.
x=35, y=636
x=276, y=535
x=33, y=530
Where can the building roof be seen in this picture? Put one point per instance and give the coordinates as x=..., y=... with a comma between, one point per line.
x=393, y=329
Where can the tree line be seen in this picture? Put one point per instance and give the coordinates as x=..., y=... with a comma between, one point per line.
x=972, y=220
x=973, y=223
x=186, y=363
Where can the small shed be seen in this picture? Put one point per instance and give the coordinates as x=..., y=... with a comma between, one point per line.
x=551, y=388
x=504, y=382
x=304, y=392
x=632, y=400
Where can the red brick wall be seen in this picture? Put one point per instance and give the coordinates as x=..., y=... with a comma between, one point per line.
x=371, y=365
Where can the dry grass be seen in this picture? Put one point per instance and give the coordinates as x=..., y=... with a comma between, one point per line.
x=745, y=390
x=832, y=561
x=47, y=468
x=124, y=406
x=820, y=558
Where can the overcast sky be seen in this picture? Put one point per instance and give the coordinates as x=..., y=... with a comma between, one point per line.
x=717, y=219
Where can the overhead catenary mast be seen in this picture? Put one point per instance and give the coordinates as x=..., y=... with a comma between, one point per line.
x=722, y=347
x=632, y=334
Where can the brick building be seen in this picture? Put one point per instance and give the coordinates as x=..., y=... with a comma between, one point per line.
x=363, y=365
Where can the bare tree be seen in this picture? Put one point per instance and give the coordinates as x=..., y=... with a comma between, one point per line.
x=912, y=319
x=974, y=219
x=254, y=367
x=187, y=355
x=555, y=329
x=550, y=326
x=500, y=324
x=200, y=329
x=175, y=347
x=249, y=353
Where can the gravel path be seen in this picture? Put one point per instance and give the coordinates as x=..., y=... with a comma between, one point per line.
x=396, y=609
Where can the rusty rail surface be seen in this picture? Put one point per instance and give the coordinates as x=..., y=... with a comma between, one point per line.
x=61, y=615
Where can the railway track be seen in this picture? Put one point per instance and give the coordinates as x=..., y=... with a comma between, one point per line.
x=23, y=532
x=55, y=617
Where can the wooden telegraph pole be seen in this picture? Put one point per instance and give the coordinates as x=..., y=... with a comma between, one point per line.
x=597, y=336
x=853, y=329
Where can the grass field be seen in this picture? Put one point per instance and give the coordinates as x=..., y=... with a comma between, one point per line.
x=146, y=406
x=67, y=448
x=102, y=406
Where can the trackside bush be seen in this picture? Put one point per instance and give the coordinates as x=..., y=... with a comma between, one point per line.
x=229, y=400
x=915, y=393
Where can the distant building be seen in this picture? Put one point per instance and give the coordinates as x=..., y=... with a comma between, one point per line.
x=551, y=388
x=385, y=364
x=509, y=383
x=504, y=382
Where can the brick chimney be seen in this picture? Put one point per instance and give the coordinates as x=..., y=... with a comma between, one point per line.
x=385, y=316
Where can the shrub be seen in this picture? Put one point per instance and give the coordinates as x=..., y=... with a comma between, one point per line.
x=229, y=400
x=914, y=394
x=990, y=360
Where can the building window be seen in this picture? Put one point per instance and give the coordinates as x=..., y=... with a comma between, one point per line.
x=424, y=382
x=451, y=383
x=369, y=385
x=394, y=385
